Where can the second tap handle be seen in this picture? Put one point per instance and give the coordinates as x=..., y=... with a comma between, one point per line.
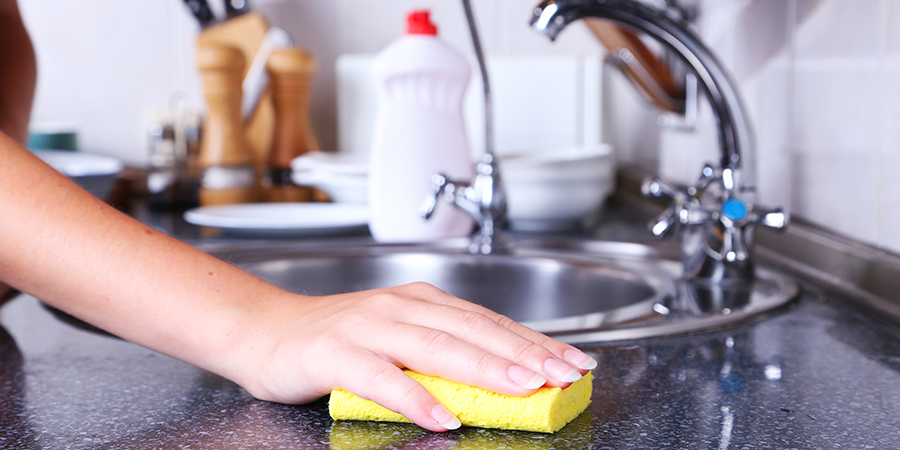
x=747, y=213
x=663, y=224
x=438, y=184
x=775, y=218
x=654, y=187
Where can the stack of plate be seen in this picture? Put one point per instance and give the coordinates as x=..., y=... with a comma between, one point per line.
x=344, y=178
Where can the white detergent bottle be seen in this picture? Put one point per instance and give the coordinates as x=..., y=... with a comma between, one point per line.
x=419, y=131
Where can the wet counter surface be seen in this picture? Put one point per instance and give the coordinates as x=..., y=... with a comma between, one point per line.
x=816, y=374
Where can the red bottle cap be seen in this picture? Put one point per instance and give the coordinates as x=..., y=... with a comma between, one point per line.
x=419, y=22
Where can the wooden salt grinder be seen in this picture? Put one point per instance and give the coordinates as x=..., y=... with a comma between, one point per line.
x=290, y=73
x=226, y=163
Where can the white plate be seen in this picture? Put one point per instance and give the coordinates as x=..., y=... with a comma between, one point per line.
x=282, y=219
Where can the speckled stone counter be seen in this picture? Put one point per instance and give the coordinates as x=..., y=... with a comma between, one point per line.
x=814, y=375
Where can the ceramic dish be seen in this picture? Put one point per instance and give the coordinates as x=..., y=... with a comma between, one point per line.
x=340, y=188
x=573, y=162
x=556, y=190
x=282, y=219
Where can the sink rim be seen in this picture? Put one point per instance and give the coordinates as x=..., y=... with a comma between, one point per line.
x=758, y=306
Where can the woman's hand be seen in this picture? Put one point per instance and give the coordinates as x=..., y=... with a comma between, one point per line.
x=361, y=341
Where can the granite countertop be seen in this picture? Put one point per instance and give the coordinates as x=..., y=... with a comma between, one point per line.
x=817, y=374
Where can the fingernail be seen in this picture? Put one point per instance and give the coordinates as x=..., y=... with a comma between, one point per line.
x=561, y=371
x=444, y=418
x=525, y=378
x=579, y=359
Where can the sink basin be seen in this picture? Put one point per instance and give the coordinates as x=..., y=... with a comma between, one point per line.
x=550, y=292
x=577, y=291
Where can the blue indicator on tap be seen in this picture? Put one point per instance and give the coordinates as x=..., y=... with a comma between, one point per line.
x=734, y=209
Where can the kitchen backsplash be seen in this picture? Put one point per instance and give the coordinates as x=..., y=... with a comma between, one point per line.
x=821, y=79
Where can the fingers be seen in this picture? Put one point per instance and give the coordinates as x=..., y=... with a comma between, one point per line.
x=500, y=335
x=488, y=340
x=436, y=352
x=571, y=355
x=461, y=345
x=388, y=386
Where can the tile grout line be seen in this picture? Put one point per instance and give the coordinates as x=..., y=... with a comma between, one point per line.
x=792, y=102
x=880, y=142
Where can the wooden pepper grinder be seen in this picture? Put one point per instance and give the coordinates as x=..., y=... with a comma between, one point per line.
x=290, y=73
x=226, y=163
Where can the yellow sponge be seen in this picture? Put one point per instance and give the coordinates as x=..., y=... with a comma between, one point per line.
x=547, y=410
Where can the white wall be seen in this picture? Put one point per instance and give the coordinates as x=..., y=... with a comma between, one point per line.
x=109, y=66
x=821, y=79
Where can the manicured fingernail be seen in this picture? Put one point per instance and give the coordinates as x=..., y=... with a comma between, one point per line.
x=444, y=418
x=579, y=359
x=525, y=378
x=561, y=371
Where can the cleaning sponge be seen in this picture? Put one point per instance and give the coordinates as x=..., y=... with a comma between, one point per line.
x=547, y=410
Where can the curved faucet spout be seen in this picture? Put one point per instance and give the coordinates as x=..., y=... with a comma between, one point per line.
x=735, y=136
x=716, y=217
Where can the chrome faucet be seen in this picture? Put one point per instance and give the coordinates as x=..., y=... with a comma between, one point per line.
x=483, y=198
x=716, y=217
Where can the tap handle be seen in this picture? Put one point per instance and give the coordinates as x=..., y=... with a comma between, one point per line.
x=654, y=187
x=438, y=184
x=741, y=212
x=772, y=218
x=663, y=224
x=776, y=219
x=684, y=209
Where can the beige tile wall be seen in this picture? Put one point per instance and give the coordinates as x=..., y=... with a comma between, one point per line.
x=106, y=67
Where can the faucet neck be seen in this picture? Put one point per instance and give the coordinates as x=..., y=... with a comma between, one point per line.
x=734, y=130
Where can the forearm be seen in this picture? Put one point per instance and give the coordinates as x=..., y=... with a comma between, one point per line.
x=18, y=72
x=73, y=251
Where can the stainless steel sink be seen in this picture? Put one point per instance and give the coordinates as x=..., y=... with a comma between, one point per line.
x=578, y=291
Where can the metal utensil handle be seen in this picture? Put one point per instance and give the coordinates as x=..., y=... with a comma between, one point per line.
x=200, y=10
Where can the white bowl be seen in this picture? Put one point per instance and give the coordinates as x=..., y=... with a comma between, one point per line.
x=556, y=190
x=573, y=162
x=553, y=205
x=340, y=188
x=95, y=173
